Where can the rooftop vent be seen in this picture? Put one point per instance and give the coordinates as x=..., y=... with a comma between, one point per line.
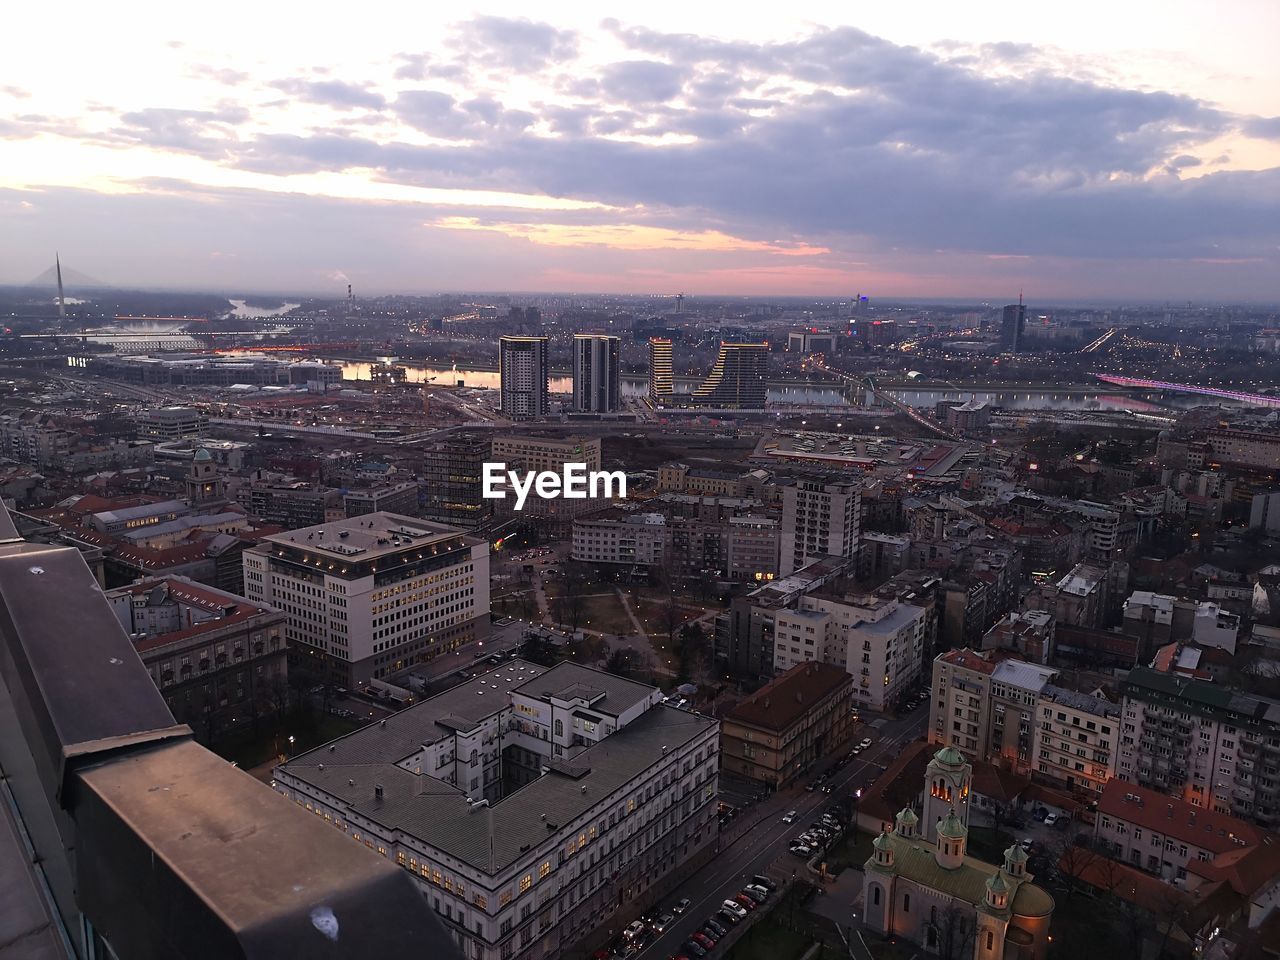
x=377, y=791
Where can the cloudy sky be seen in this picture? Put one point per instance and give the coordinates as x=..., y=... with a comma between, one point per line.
x=1098, y=149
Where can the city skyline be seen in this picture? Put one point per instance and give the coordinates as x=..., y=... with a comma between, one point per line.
x=927, y=153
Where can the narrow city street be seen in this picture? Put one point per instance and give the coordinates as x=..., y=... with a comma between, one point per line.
x=760, y=846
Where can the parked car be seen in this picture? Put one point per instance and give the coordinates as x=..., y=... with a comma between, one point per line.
x=735, y=908
x=710, y=934
x=759, y=896
x=761, y=880
x=729, y=919
x=693, y=948
x=800, y=850
x=681, y=906
x=702, y=940
x=864, y=742
x=1051, y=820
x=716, y=927
x=747, y=903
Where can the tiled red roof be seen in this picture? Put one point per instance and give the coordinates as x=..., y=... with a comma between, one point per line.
x=781, y=702
x=1245, y=869
x=1173, y=817
x=969, y=660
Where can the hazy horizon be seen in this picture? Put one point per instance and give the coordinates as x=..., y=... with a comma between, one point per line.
x=1122, y=153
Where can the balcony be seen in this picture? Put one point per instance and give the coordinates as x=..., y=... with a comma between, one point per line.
x=176, y=852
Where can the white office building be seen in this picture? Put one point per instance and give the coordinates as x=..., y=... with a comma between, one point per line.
x=370, y=595
x=529, y=803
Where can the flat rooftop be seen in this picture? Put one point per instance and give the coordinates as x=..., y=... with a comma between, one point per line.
x=368, y=537
x=491, y=837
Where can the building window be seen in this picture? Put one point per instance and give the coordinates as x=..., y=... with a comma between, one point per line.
x=906, y=903
x=526, y=882
x=991, y=940
x=875, y=896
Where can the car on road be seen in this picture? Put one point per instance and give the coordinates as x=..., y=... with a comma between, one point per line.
x=789, y=817
x=681, y=906
x=633, y=930
x=1026, y=843
x=828, y=788
x=760, y=880
x=864, y=742
x=663, y=922
x=856, y=750
x=800, y=850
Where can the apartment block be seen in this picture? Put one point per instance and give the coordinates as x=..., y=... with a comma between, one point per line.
x=1163, y=834
x=1213, y=747
x=879, y=642
x=819, y=519
x=797, y=718
x=1078, y=738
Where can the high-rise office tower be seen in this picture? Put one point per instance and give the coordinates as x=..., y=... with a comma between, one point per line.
x=737, y=381
x=523, y=365
x=661, y=375
x=1012, y=323
x=597, y=380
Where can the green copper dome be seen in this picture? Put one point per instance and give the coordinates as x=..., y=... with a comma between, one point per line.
x=203, y=456
x=882, y=842
x=950, y=756
x=1015, y=854
x=951, y=827
x=996, y=884
x=907, y=817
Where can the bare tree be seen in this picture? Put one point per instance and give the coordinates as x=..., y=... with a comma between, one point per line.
x=1071, y=860
x=957, y=930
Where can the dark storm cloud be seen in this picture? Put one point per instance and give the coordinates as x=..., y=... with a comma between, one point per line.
x=523, y=46
x=332, y=93
x=838, y=137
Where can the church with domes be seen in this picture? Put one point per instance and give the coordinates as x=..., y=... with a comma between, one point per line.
x=922, y=885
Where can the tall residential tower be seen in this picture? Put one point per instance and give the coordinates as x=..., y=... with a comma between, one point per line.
x=737, y=381
x=661, y=375
x=524, y=367
x=597, y=380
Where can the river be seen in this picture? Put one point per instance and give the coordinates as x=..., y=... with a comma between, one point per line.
x=797, y=394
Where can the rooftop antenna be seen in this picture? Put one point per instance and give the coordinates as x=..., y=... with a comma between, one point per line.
x=62, y=303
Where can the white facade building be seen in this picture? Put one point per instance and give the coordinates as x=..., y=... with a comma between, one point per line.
x=879, y=642
x=632, y=539
x=530, y=803
x=367, y=596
